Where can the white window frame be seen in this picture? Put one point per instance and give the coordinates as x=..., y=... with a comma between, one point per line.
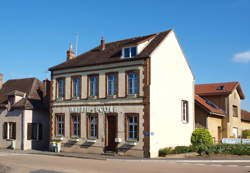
x=76, y=123
x=130, y=52
x=133, y=124
x=76, y=87
x=93, y=86
x=60, y=123
x=10, y=130
x=93, y=126
x=111, y=84
x=134, y=84
x=59, y=88
x=184, y=111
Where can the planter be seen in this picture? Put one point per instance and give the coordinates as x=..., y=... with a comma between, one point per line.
x=91, y=140
x=74, y=139
x=118, y=140
x=58, y=138
x=131, y=143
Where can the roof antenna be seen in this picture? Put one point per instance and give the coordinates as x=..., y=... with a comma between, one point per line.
x=77, y=39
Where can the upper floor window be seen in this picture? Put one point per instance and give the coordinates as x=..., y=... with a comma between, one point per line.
x=112, y=84
x=133, y=83
x=235, y=111
x=76, y=82
x=60, y=87
x=11, y=100
x=93, y=85
x=129, y=52
x=184, y=111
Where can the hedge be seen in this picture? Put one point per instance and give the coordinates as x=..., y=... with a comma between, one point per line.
x=234, y=149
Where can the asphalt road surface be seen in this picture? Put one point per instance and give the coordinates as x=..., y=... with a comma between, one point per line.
x=29, y=163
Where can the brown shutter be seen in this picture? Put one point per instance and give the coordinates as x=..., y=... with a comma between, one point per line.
x=97, y=125
x=40, y=131
x=126, y=127
x=56, y=125
x=71, y=125
x=87, y=125
x=14, y=131
x=5, y=130
x=29, y=132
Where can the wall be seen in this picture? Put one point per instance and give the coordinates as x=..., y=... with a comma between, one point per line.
x=212, y=124
x=36, y=116
x=200, y=117
x=234, y=99
x=12, y=116
x=245, y=125
x=123, y=104
x=171, y=82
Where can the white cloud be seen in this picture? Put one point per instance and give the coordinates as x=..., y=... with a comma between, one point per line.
x=242, y=57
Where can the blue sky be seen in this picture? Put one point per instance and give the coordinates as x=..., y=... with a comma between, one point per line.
x=214, y=34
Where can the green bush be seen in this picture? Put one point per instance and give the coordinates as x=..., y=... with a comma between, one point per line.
x=234, y=149
x=165, y=151
x=201, y=136
x=184, y=149
x=245, y=133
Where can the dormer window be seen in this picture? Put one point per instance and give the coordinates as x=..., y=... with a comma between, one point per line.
x=129, y=52
x=11, y=100
x=220, y=87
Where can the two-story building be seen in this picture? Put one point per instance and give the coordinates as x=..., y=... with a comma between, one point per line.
x=24, y=113
x=217, y=107
x=132, y=96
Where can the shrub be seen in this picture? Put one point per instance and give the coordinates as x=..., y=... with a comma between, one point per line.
x=165, y=151
x=201, y=136
x=245, y=133
x=184, y=149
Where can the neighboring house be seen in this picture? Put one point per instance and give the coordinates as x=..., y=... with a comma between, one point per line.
x=24, y=113
x=217, y=107
x=245, y=119
x=126, y=96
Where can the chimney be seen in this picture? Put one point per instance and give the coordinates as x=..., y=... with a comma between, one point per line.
x=46, y=92
x=1, y=80
x=70, y=53
x=102, y=44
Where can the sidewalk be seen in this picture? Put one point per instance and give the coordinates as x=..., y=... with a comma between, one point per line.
x=75, y=155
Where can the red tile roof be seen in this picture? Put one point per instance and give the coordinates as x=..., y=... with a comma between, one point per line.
x=218, y=89
x=113, y=52
x=245, y=115
x=208, y=106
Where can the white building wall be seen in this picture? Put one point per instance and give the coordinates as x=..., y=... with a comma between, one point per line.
x=171, y=82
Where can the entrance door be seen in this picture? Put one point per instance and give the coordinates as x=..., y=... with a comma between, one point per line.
x=111, y=130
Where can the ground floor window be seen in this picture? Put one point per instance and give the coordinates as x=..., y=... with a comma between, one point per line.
x=92, y=125
x=9, y=130
x=59, y=125
x=235, y=132
x=75, y=125
x=34, y=131
x=132, y=126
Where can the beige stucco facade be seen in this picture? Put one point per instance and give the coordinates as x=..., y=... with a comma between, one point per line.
x=22, y=118
x=120, y=104
x=231, y=125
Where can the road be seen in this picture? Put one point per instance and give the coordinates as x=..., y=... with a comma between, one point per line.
x=30, y=163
